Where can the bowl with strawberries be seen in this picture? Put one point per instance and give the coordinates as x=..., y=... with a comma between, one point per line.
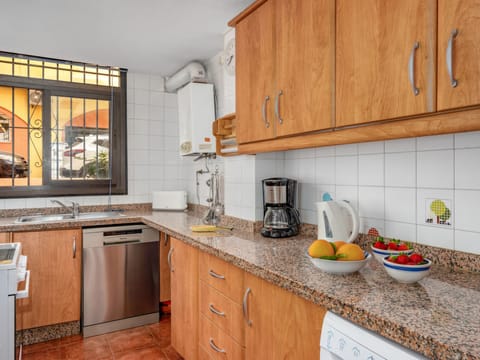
x=382, y=249
x=407, y=268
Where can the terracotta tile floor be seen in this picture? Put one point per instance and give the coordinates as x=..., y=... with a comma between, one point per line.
x=145, y=343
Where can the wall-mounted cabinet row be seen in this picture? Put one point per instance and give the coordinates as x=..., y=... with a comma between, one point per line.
x=310, y=65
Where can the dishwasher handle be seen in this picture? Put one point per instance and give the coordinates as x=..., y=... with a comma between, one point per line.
x=120, y=242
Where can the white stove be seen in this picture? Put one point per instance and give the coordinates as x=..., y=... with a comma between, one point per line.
x=12, y=271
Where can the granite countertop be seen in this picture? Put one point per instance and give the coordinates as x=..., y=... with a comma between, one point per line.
x=438, y=316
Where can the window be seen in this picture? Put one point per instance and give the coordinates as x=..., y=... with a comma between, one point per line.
x=62, y=128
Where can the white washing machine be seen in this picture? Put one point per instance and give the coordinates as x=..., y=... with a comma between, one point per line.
x=343, y=340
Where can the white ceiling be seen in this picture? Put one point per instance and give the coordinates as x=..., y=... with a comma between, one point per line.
x=156, y=36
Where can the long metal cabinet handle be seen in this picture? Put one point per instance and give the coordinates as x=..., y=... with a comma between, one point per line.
x=411, y=68
x=277, y=107
x=215, y=347
x=449, y=57
x=245, y=307
x=74, y=248
x=215, y=311
x=264, y=111
x=169, y=259
x=215, y=275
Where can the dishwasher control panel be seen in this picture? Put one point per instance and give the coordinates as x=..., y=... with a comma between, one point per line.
x=118, y=235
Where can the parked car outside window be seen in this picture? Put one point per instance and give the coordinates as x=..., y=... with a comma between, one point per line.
x=82, y=156
x=8, y=168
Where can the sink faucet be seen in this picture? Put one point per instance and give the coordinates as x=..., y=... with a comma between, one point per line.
x=75, y=208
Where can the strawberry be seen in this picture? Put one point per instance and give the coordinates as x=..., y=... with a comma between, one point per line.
x=392, y=258
x=392, y=246
x=402, y=259
x=416, y=258
x=403, y=247
x=380, y=245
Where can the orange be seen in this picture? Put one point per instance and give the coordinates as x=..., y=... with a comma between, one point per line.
x=336, y=244
x=350, y=252
x=320, y=248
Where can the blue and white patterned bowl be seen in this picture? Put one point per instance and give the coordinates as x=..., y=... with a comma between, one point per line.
x=379, y=254
x=407, y=274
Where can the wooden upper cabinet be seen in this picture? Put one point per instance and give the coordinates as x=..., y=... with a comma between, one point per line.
x=375, y=41
x=285, y=69
x=463, y=53
x=255, y=57
x=305, y=33
x=55, y=262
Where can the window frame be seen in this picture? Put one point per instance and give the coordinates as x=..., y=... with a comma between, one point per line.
x=117, y=96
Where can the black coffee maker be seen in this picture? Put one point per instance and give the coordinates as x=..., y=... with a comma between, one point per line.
x=280, y=217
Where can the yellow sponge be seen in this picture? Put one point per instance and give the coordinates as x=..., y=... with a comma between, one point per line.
x=203, y=228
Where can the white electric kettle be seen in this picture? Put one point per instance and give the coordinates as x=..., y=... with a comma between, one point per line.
x=337, y=220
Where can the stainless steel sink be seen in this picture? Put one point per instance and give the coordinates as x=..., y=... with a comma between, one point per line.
x=60, y=217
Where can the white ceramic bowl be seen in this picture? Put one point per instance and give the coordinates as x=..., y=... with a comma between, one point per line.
x=340, y=267
x=407, y=273
x=380, y=254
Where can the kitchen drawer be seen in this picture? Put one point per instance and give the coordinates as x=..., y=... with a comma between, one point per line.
x=211, y=336
x=224, y=277
x=231, y=318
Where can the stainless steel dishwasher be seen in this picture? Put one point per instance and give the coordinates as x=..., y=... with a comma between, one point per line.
x=120, y=278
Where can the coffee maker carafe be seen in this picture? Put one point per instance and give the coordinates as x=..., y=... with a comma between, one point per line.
x=280, y=217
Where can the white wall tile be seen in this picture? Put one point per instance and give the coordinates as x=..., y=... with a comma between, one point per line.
x=467, y=241
x=466, y=210
x=157, y=83
x=400, y=145
x=424, y=200
x=467, y=140
x=325, y=170
x=437, y=142
x=402, y=231
x=435, y=169
x=400, y=169
x=434, y=236
x=325, y=151
x=400, y=204
x=142, y=81
x=348, y=149
x=307, y=196
x=170, y=100
x=346, y=170
x=141, y=111
x=142, y=96
x=467, y=169
x=374, y=147
x=371, y=202
x=306, y=170
x=371, y=170
x=156, y=98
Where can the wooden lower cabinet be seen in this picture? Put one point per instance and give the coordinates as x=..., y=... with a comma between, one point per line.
x=184, y=295
x=164, y=247
x=4, y=237
x=282, y=325
x=54, y=261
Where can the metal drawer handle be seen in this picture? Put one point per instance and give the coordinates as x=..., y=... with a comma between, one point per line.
x=167, y=237
x=264, y=111
x=277, y=106
x=449, y=57
x=215, y=275
x=411, y=69
x=74, y=249
x=215, y=311
x=245, y=307
x=215, y=347
x=169, y=259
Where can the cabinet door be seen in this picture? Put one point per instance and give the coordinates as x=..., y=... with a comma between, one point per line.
x=4, y=237
x=283, y=325
x=164, y=270
x=305, y=72
x=255, y=57
x=374, y=43
x=54, y=260
x=464, y=17
x=184, y=294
